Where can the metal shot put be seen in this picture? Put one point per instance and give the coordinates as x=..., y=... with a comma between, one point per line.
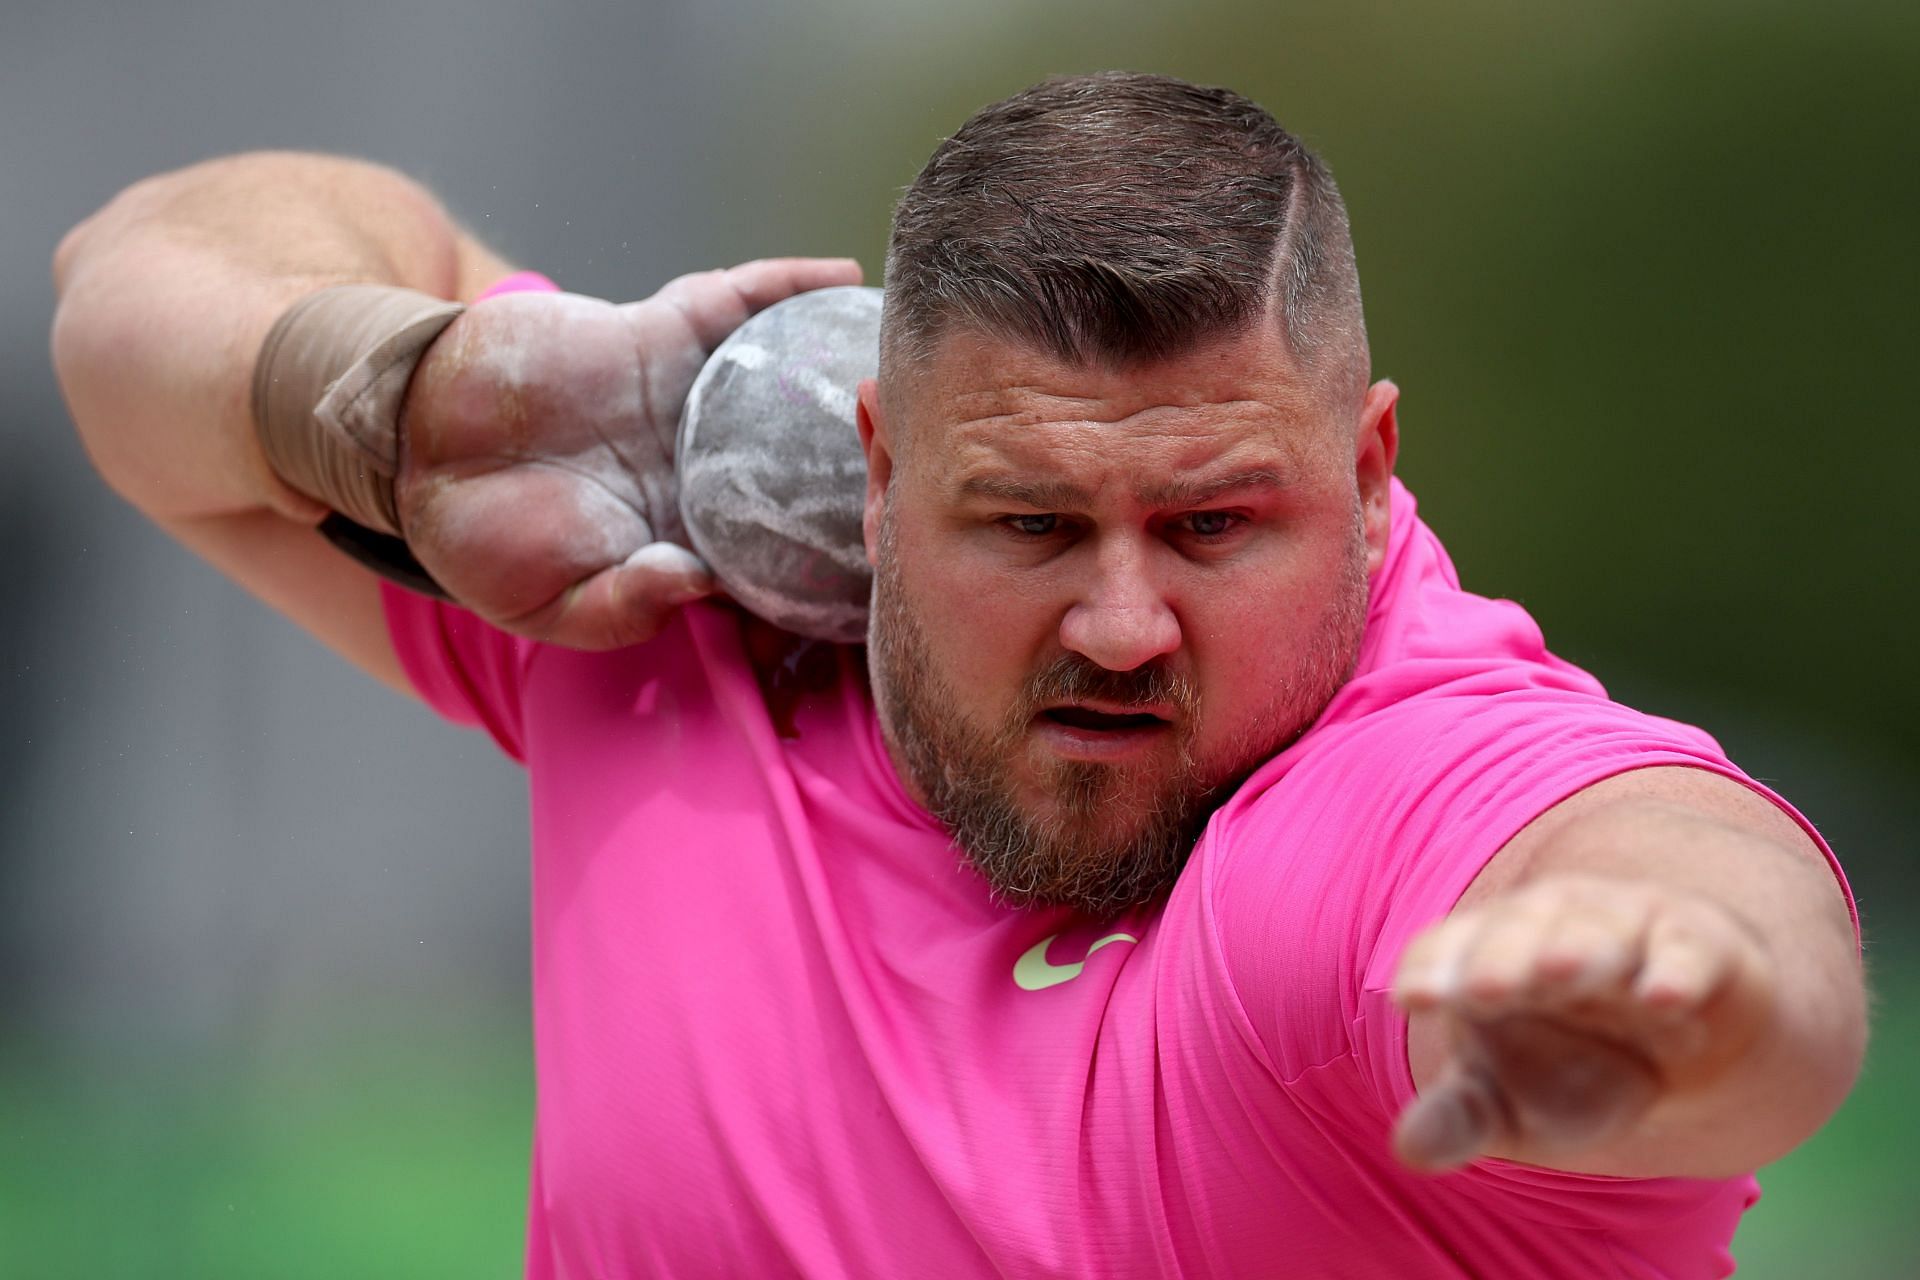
x=1156, y=864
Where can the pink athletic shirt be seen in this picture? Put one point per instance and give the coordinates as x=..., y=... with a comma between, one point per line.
x=780, y=1028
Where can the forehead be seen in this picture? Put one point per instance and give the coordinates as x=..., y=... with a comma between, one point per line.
x=982, y=409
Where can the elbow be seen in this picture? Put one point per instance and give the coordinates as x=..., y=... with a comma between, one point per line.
x=1843, y=1048
x=66, y=253
x=75, y=348
x=94, y=345
x=89, y=237
x=1833, y=1003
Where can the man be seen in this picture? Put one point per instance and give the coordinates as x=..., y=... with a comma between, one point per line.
x=1239, y=774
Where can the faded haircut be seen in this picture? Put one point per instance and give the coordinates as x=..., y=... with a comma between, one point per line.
x=1119, y=219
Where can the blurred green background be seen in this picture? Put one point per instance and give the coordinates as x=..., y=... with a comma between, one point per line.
x=1643, y=272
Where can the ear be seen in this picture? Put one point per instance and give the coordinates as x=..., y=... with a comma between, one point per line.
x=877, y=442
x=1375, y=447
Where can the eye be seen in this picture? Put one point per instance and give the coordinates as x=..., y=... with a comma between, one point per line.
x=1211, y=526
x=1031, y=526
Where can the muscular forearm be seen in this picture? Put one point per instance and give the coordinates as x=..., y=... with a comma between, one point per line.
x=167, y=291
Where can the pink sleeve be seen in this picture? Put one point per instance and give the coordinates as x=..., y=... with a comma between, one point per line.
x=463, y=668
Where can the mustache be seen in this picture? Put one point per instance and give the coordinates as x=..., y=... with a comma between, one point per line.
x=1072, y=678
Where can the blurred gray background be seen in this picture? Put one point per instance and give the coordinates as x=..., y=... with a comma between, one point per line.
x=1643, y=273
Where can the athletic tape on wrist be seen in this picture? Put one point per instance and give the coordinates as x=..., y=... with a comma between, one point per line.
x=327, y=389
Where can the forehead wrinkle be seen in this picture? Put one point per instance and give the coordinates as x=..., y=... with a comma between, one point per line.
x=1232, y=424
x=1240, y=465
x=1262, y=437
x=987, y=407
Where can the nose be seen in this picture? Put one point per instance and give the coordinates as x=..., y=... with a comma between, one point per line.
x=1121, y=619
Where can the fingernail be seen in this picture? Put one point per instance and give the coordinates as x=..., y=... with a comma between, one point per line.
x=667, y=555
x=688, y=592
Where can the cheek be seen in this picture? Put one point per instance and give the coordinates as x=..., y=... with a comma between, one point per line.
x=1248, y=631
x=985, y=634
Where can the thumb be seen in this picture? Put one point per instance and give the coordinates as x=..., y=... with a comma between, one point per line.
x=1530, y=1085
x=1455, y=1119
x=628, y=602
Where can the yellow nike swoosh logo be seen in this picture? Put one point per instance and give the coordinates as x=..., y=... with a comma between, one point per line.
x=1032, y=972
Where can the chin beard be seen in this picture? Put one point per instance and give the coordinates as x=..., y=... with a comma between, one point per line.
x=1096, y=848
x=1107, y=837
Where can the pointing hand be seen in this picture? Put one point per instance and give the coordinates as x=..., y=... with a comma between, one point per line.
x=1573, y=1006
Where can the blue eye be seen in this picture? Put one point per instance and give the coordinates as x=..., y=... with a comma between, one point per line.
x=1211, y=524
x=1033, y=526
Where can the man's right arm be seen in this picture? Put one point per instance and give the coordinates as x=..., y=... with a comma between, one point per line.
x=164, y=297
x=534, y=471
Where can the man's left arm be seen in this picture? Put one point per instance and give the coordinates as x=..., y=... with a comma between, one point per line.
x=1660, y=976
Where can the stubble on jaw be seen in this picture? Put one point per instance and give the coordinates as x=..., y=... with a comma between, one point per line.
x=1111, y=836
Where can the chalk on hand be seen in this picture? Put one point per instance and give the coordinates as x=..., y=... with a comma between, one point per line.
x=772, y=477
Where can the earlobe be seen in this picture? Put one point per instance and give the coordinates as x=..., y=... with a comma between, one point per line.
x=1376, y=446
x=877, y=445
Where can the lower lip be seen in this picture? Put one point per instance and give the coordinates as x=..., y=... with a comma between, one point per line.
x=1099, y=744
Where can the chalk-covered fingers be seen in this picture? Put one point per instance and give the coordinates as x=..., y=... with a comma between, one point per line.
x=549, y=550
x=676, y=329
x=715, y=303
x=537, y=482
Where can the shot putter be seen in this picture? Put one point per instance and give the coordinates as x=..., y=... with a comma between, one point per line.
x=772, y=478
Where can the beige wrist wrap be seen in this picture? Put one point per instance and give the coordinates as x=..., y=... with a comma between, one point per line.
x=327, y=389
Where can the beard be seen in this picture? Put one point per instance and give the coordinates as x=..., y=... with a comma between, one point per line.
x=1107, y=836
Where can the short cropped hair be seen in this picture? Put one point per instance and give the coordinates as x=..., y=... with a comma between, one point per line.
x=1119, y=219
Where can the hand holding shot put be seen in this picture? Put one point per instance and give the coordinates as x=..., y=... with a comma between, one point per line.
x=546, y=495
x=536, y=476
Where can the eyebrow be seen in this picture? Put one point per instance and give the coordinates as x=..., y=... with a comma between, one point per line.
x=1051, y=495
x=1045, y=494
x=1193, y=493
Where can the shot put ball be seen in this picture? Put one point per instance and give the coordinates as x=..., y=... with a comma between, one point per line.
x=772, y=478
